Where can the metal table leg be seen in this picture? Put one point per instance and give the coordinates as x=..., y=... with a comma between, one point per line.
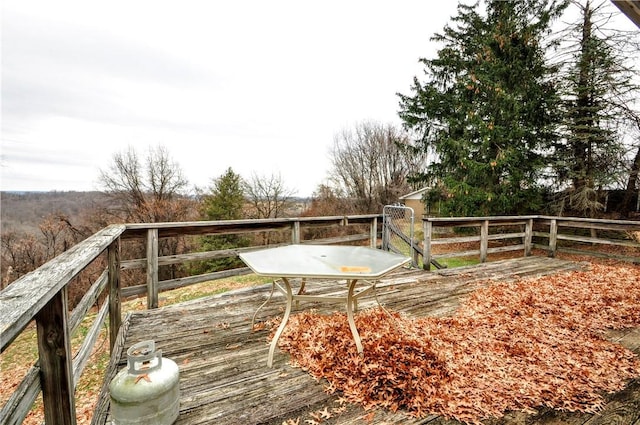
x=285, y=318
x=350, y=307
x=274, y=285
x=350, y=302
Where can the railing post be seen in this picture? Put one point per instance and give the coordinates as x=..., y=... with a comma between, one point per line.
x=427, y=227
x=553, y=237
x=528, y=237
x=295, y=232
x=385, y=234
x=152, y=268
x=373, y=233
x=484, y=240
x=56, y=369
x=115, y=314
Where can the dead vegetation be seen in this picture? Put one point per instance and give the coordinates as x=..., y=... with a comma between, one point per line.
x=511, y=346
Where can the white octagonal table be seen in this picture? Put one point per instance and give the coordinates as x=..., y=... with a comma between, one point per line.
x=329, y=262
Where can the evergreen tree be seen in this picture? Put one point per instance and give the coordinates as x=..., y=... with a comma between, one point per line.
x=225, y=202
x=488, y=109
x=598, y=90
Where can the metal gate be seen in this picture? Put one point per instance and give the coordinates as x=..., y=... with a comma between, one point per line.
x=397, y=231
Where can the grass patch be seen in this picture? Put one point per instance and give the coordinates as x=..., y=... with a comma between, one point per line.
x=211, y=287
x=459, y=261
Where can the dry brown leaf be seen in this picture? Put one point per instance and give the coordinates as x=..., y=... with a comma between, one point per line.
x=511, y=346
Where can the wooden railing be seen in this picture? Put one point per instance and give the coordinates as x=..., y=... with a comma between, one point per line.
x=491, y=235
x=479, y=227
x=41, y=296
x=563, y=235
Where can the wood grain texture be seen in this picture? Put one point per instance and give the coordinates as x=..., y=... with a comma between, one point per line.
x=223, y=373
x=24, y=298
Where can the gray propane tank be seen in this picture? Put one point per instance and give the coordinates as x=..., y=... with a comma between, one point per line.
x=147, y=391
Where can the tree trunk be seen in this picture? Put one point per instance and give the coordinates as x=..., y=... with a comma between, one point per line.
x=631, y=189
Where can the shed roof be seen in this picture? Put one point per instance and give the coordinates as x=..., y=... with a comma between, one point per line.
x=415, y=193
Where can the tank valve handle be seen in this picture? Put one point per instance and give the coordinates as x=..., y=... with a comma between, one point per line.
x=143, y=358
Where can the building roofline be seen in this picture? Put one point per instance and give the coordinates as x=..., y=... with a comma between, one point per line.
x=415, y=192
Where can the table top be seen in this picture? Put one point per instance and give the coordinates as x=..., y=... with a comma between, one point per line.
x=323, y=261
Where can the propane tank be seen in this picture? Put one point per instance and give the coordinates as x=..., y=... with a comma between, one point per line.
x=147, y=391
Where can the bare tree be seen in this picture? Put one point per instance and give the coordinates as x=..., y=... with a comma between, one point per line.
x=21, y=253
x=59, y=234
x=327, y=201
x=371, y=164
x=149, y=193
x=268, y=196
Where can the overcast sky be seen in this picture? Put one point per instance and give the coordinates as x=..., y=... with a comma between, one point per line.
x=259, y=86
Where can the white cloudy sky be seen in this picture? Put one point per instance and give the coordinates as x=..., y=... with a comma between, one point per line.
x=259, y=86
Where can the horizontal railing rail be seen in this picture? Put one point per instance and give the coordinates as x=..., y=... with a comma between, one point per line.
x=41, y=297
x=601, y=233
x=524, y=233
x=474, y=235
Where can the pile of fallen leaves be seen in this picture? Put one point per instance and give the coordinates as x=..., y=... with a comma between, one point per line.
x=511, y=346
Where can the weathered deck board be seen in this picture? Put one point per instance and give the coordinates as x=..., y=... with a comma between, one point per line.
x=223, y=373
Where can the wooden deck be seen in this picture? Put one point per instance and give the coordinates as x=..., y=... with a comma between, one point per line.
x=224, y=378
